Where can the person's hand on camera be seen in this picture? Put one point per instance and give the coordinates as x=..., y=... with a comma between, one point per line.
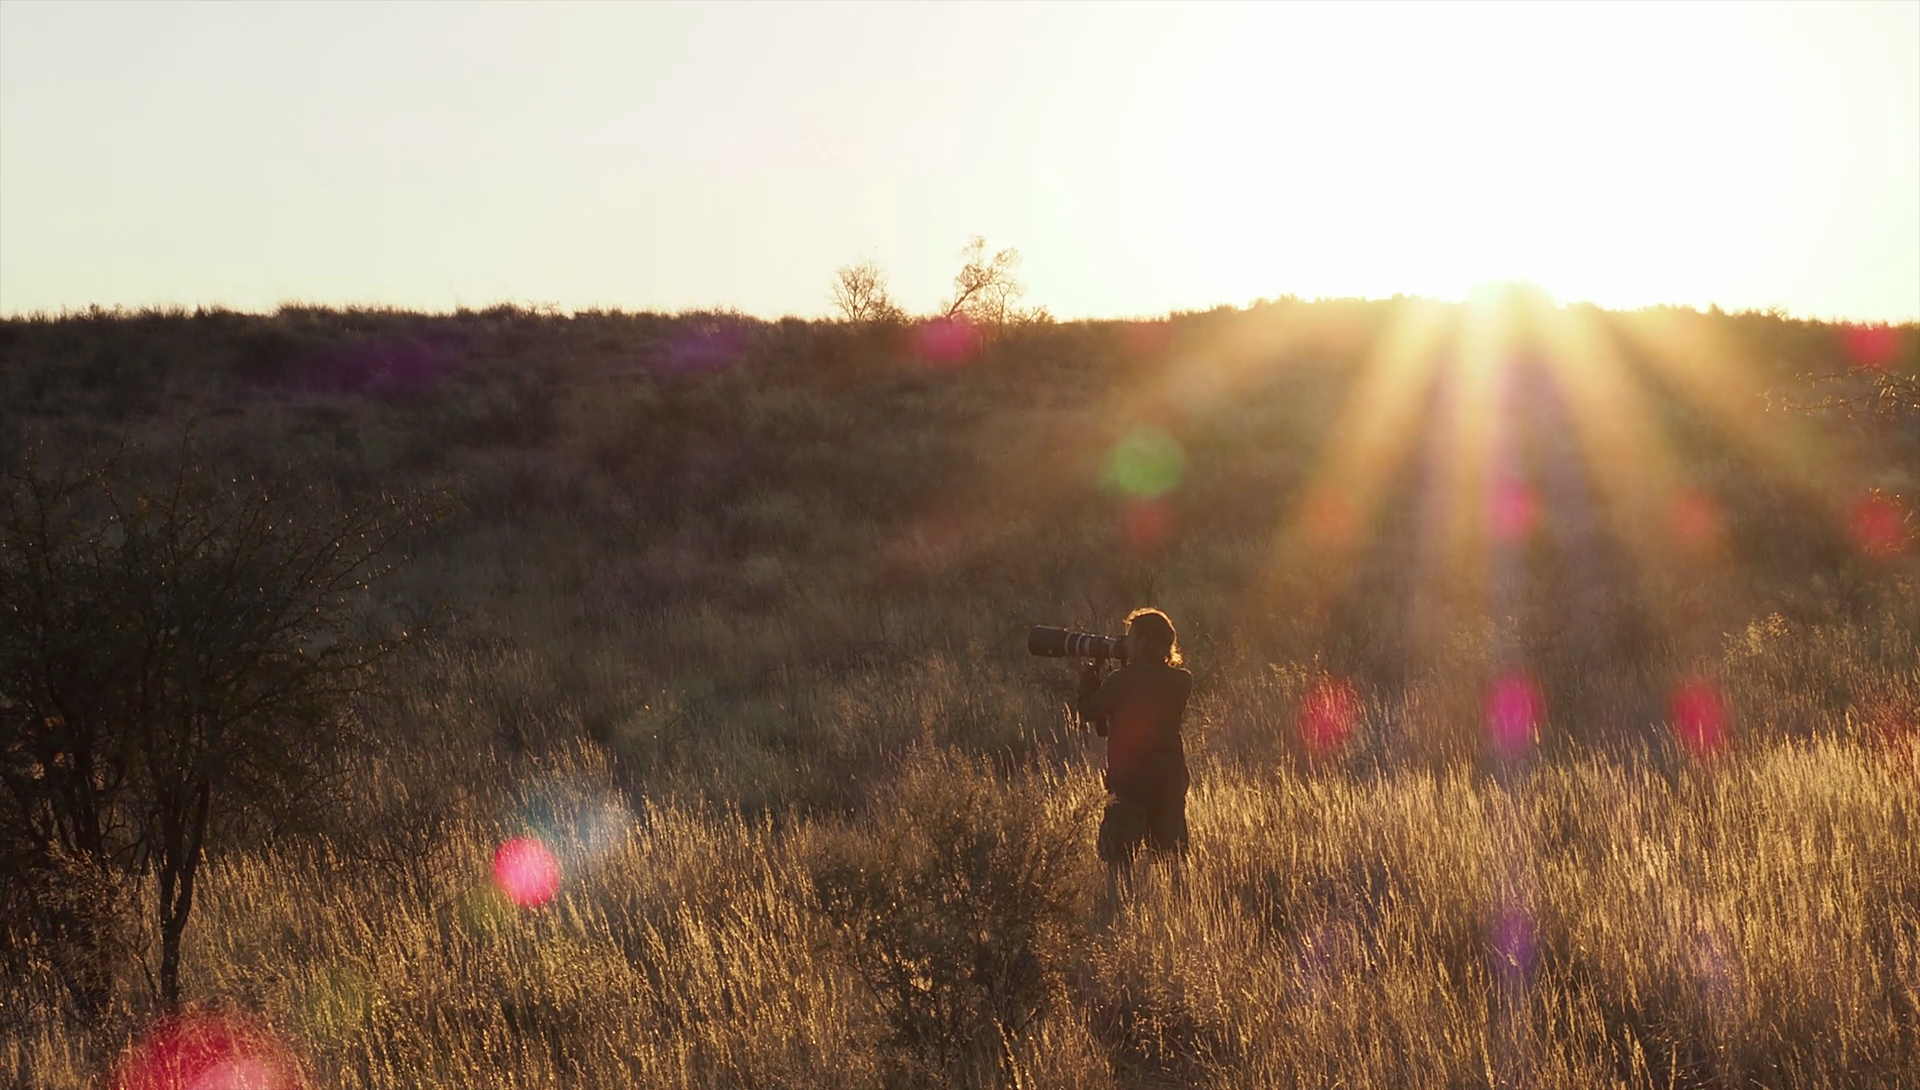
x=1089, y=679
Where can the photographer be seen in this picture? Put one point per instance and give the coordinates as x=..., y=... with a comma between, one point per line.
x=1138, y=710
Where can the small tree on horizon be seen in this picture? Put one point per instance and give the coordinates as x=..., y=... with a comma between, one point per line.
x=985, y=290
x=860, y=293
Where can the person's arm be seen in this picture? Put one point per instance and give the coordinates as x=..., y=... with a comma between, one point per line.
x=1096, y=697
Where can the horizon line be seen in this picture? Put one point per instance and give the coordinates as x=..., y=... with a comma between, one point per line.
x=545, y=308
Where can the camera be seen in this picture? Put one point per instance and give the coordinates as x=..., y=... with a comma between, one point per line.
x=1061, y=643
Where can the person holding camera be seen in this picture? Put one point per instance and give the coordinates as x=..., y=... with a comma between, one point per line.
x=1137, y=709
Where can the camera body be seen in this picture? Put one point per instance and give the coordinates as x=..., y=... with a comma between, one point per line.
x=1063, y=643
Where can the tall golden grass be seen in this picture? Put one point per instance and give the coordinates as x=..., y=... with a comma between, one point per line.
x=1583, y=924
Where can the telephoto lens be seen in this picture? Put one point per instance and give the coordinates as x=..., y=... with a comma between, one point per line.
x=1060, y=643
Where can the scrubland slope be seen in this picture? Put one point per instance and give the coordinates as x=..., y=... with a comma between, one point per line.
x=1556, y=688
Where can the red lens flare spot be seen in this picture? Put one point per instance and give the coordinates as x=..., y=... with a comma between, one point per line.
x=1878, y=526
x=1699, y=717
x=946, y=342
x=1330, y=520
x=1695, y=519
x=1870, y=347
x=205, y=1051
x=526, y=871
x=1146, y=340
x=1515, y=512
x=1328, y=712
x=1514, y=713
x=1146, y=523
x=934, y=541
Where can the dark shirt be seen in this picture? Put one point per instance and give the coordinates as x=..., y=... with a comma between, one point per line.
x=1138, y=709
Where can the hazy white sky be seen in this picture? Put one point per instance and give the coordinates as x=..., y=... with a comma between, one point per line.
x=1141, y=157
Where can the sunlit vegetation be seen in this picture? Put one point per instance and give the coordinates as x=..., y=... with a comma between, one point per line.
x=1554, y=721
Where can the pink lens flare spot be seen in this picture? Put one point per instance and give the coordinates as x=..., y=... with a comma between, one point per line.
x=1511, y=937
x=1514, y=712
x=1870, y=347
x=707, y=347
x=1147, y=340
x=1146, y=523
x=526, y=871
x=244, y=1073
x=946, y=342
x=207, y=1051
x=1330, y=520
x=1716, y=972
x=1878, y=526
x=1515, y=512
x=1328, y=712
x=1699, y=717
x=1695, y=519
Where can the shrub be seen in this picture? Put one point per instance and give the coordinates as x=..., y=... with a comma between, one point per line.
x=176, y=660
x=960, y=900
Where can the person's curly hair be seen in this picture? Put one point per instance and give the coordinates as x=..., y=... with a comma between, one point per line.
x=1151, y=631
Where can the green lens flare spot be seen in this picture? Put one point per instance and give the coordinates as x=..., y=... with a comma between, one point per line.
x=1148, y=463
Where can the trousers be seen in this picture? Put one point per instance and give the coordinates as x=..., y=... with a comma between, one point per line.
x=1157, y=819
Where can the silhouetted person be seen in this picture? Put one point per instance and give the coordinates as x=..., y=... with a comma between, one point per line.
x=1138, y=709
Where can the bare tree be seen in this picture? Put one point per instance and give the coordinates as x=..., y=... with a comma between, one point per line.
x=860, y=291
x=178, y=658
x=985, y=287
x=986, y=291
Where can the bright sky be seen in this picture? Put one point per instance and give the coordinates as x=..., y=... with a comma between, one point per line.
x=1143, y=158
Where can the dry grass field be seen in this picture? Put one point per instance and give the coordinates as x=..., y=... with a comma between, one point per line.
x=1554, y=720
